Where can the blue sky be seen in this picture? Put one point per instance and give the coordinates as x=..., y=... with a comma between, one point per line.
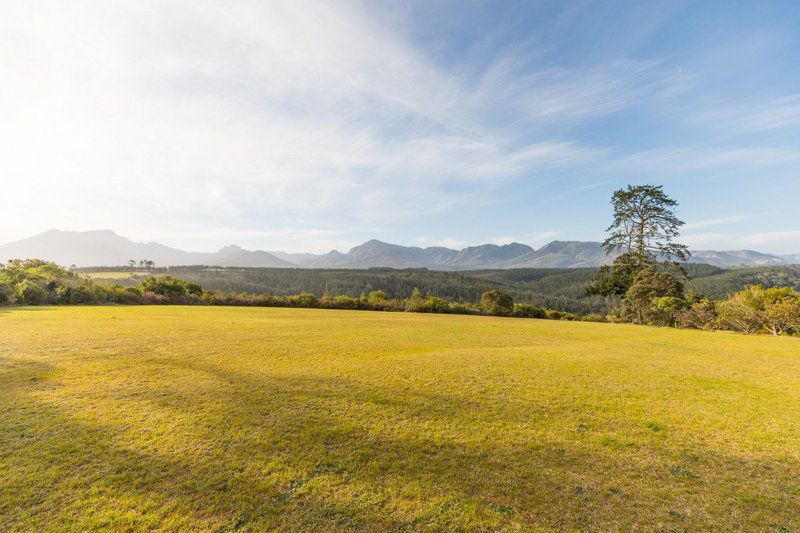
x=311, y=125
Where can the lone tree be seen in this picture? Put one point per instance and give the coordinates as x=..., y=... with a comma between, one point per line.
x=643, y=230
x=645, y=224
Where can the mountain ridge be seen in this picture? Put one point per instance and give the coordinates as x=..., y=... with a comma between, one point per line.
x=106, y=248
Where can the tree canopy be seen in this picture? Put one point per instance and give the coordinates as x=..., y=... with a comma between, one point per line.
x=645, y=224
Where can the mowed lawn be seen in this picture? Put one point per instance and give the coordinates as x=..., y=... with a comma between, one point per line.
x=220, y=418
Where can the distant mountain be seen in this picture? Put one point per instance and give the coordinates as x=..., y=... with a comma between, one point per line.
x=740, y=258
x=490, y=255
x=376, y=253
x=106, y=248
x=562, y=254
x=236, y=256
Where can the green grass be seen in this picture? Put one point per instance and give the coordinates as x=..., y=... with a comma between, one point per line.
x=116, y=275
x=250, y=418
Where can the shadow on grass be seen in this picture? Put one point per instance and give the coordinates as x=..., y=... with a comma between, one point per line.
x=283, y=451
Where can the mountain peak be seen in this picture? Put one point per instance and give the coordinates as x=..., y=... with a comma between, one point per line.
x=230, y=248
x=106, y=248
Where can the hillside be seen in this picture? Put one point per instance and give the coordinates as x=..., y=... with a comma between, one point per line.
x=215, y=419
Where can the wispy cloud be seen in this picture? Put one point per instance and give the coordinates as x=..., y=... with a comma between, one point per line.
x=310, y=114
x=250, y=114
x=751, y=115
x=716, y=221
x=760, y=239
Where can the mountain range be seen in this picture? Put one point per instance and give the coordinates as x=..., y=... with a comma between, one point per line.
x=106, y=248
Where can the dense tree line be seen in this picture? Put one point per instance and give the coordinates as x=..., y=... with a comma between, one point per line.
x=654, y=297
x=396, y=283
x=542, y=287
x=35, y=282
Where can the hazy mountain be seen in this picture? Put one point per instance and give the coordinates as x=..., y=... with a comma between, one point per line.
x=106, y=248
x=236, y=256
x=490, y=255
x=738, y=258
x=376, y=253
x=562, y=254
x=301, y=259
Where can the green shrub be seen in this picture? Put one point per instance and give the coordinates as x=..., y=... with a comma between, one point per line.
x=30, y=293
x=497, y=303
x=528, y=311
x=174, y=290
x=7, y=295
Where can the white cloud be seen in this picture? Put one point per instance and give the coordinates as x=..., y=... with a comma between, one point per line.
x=703, y=159
x=716, y=221
x=758, y=239
x=752, y=115
x=302, y=114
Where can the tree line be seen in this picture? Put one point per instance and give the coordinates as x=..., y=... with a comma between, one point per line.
x=653, y=297
x=37, y=282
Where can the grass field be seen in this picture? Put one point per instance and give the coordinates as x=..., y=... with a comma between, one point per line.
x=116, y=275
x=250, y=418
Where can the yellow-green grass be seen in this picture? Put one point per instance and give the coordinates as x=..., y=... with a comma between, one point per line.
x=224, y=418
x=115, y=275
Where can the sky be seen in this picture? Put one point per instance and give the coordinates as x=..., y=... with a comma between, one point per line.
x=305, y=125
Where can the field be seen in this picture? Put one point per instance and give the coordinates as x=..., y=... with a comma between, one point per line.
x=117, y=276
x=251, y=418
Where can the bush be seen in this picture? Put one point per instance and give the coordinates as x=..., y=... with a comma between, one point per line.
x=151, y=298
x=173, y=290
x=528, y=311
x=741, y=312
x=434, y=304
x=552, y=314
x=497, y=303
x=699, y=315
x=377, y=299
x=7, y=295
x=649, y=284
x=664, y=310
x=415, y=302
x=30, y=293
x=304, y=299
